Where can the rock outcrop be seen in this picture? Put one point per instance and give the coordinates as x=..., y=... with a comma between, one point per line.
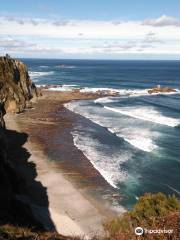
x=16, y=92
x=159, y=89
x=16, y=87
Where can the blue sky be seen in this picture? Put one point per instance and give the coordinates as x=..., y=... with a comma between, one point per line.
x=94, y=9
x=91, y=29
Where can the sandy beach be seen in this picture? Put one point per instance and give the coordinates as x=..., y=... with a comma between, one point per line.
x=67, y=178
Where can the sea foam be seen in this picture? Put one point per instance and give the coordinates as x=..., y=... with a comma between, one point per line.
x=63, y=88
x=36, y=75
x=107, y=165
x=137, y=135
x=146, y=114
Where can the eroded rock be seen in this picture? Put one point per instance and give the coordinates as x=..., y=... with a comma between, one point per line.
x=16, y=87
x=160, y=89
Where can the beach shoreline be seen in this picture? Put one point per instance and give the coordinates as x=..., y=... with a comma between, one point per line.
x=67, y=175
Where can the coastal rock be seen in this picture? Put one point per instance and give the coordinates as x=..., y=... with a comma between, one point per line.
x=107, y=93
x=16, y=87
x=76, y=90
x=160, y=89
x=16, y=91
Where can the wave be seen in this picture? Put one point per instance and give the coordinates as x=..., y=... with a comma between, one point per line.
x=138, y=136
x=121, y=92
x=40, y=85
x=63, y=88
x=35, y=75
x=173, y=189
x=105, y=100
x=124, y=93
x=146, y=114
x=63, y=66
x=108, y=166
x=144, y=143
x=94, y=90
x=43, y=66
x=170, y=103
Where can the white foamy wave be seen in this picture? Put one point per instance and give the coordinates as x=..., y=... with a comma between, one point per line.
x=143, y=143
x=94, y=90
x=36, y=75
x=104, y=100
x=138, y=136
x=66, y=66
x=122, y=92
x=125, y=92
x=108, y=166
x=146, y=114
x=43, y=66
x=63, y=88
x=133, y=92
x=143, y=92
x=40, y=85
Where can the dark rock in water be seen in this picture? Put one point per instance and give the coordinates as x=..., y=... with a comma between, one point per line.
x=16, y=87
x=160, y=89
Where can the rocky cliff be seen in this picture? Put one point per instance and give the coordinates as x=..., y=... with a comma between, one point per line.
x=16, y=92
x=16, y=87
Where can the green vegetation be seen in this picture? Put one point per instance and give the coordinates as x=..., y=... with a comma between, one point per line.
x=151, y=206
x=153, y=211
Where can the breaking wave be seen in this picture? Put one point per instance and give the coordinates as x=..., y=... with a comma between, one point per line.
x=126, y=92
x=63, y=66
x=36, y=75
x=138, y=136
x=108, y=166
x=63, y=88
x=146, y=114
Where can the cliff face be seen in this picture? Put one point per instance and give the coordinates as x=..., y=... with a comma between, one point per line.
x=16, y=91
x=16, y=87
x=2, y=112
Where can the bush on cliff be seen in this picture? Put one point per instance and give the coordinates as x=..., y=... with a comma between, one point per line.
x=153, y=211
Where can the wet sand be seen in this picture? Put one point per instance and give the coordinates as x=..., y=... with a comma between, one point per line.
x=75, y=190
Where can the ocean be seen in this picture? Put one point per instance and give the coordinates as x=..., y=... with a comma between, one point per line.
x=134, y=138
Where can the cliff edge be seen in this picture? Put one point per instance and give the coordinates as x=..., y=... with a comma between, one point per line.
x=16, y=92
x=16, y=87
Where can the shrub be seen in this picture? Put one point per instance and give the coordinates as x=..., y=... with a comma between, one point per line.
x=152, y=211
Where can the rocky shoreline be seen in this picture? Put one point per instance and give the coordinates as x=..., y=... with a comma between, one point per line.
x=96, y=94
x=25, y=201
x=49, y=127
x=44, y=178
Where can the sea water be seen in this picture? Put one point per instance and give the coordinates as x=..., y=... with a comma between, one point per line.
x=135, y=141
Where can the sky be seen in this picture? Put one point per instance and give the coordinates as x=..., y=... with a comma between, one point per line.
x=96, y=29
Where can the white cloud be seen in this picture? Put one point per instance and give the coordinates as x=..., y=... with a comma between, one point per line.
x=149, y=41
x=162, y=21
x=58, y=37
x=10, y=43
x=88, y=29
x=152, y=37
